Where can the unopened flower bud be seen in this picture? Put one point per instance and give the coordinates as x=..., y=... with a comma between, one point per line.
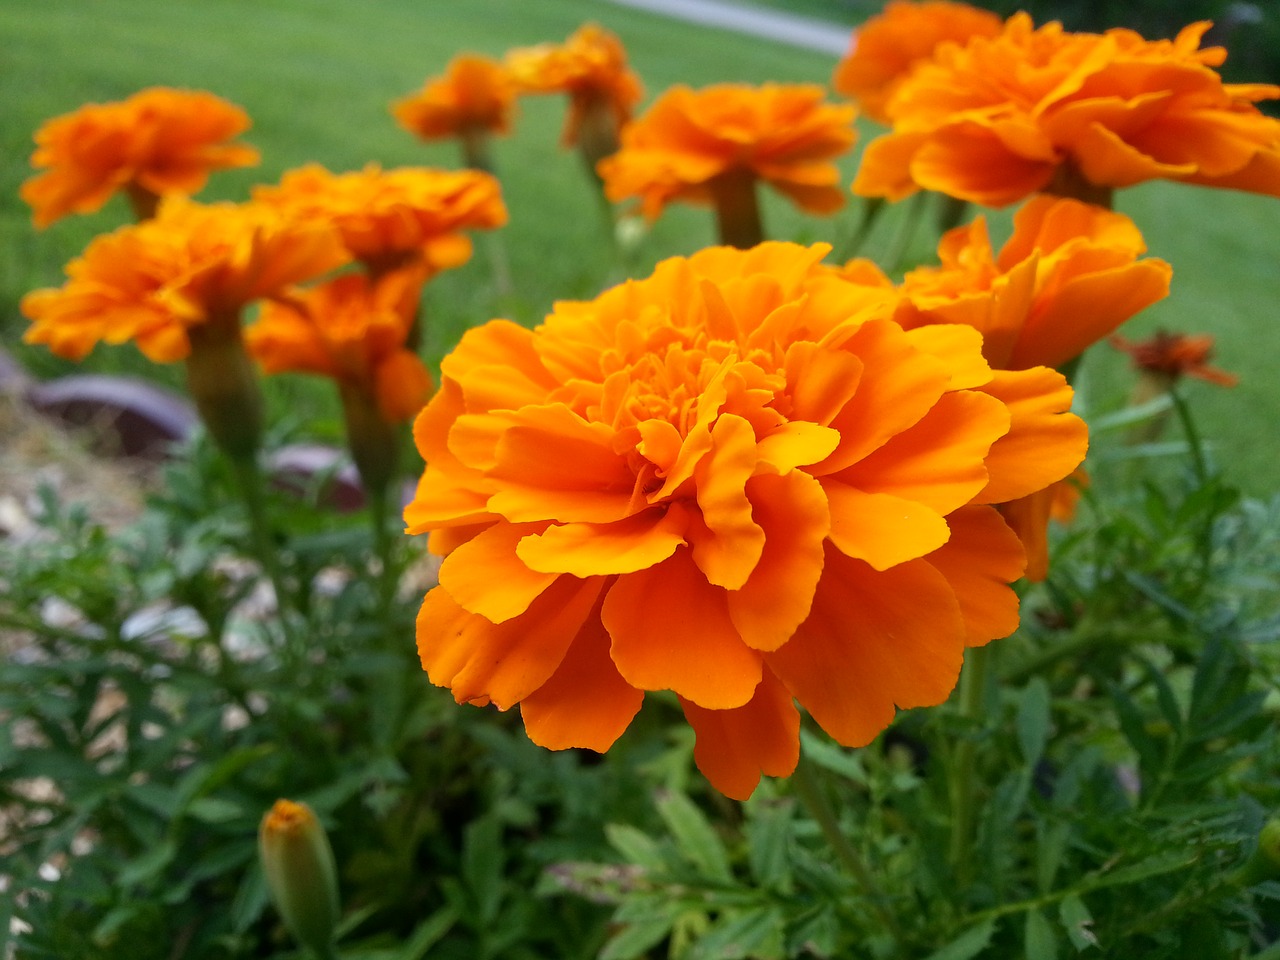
x=301, y=874
x=1265, y=862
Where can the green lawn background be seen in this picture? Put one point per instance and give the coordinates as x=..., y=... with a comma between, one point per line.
x=317, y=76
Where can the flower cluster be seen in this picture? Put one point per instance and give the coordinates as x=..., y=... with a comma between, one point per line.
x=156, y=142
x=738, y=480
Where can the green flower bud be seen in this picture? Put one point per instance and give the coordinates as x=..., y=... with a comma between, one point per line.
x=1265, y=863
x=301, y=874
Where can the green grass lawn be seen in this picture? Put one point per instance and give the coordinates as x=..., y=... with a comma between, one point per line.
x=317, y=76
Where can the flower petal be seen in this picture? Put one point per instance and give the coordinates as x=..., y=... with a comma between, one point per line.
x=980, y=560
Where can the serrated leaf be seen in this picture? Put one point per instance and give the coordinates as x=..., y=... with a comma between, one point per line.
x=482, y=866
x=695, y=838
x=969, y=944
x=1078, y=923
x=756, y=934
x=1033, y=720
x=1038, y=937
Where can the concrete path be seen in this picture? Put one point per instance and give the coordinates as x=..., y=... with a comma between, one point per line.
x=787, y=28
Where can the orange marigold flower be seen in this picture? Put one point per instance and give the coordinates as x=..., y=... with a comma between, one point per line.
x=1170, y=356
x=1073, y=113
x=156, y=142
x=154, y=281
x=737, y=480
x=474, y=94
x=890, y=44
x=709, y=146
x=1068, y=276
x=591, y=67
x=353, y=330
x=389, y=219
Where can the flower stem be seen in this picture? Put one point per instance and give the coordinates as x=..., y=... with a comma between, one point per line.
x=809, y=790
x=737, y=209
x=973, y=682
x=253, y=492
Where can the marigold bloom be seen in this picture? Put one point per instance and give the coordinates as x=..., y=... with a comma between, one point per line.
x=1072, y=113
x=474, y=94
x=153, y=282
x=353, y=330
x=709, y=146
x=1171, y=356
x=1069, y=275
x=591, y=67
x=890, y=44
x=389, y=219
x=737, y=480
x=156, y=142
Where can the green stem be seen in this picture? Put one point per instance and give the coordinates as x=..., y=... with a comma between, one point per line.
x=872, y=207
x=963, y=785
x=253, y=492
x=897, y=250
x=382, y=549
x=807, y=788
x=1194, y=441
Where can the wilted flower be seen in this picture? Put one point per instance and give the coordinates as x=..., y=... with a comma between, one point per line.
x=297, y=861
x=156, y=142
x=591, y=67
x=1167, y=357
x=737, y=480
x=474, y=99
x=1069, y=275
x=176, y=285
x=1072, y=113
x=710, y=146
x=389, y=219
x=887, y=46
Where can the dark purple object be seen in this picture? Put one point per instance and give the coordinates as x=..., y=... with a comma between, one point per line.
x=135, y=418
x=296, y=466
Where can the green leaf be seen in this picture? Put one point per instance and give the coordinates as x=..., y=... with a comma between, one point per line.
x=635, y=939
x=695, y=838
x=969, y=944
x=428, y=933
x=768, y=841
x=147, y=866
x=635, y=846
x=1038, y=937
x=1078, y=923
x=482, y=866
x=1033, y=720
x=756, y=934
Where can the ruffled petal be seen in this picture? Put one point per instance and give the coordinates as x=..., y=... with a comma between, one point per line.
x=980, y=560
x=671, y=630
x=734, y=747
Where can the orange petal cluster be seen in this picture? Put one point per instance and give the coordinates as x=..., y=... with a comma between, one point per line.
x=354, y=330
x=1068, y=276
x=1007, y=116
x=783, y=134
x=591, y=67
x=474, y=94
x=1174, y=355
x=193, y=263
x=904, y=34
x=738, y=480
x=159, y=141
x=390, y=219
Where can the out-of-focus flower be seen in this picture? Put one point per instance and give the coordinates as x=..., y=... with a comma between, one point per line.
x=353, y=330
x=904, y=34
x=156, y=142
x=474, y=99
x=1071, y=113
x=357, y=331
x=176, y=285
x=737, y=480
x=710, y=146
x=1068, y=276
x=390, y=219
x=1167, y=357
x=154, y=282
x=297, y=861
x=591, y=67
x=1066, y=494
